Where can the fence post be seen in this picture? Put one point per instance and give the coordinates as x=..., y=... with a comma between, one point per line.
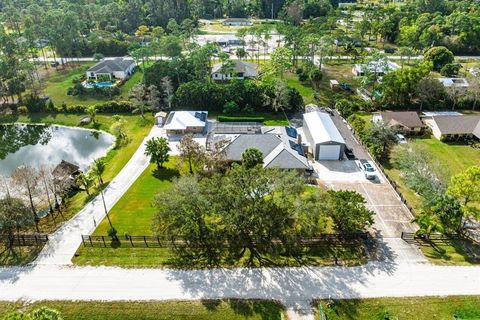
x=158, y=240
x=145, y=240
x=23, y=239
x=131, y=242
x=90, y=238
x=83, y=241
x=103, y=239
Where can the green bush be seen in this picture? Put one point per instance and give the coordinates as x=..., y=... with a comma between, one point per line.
x=22, y=110
x=230, y=108
x=240, y=119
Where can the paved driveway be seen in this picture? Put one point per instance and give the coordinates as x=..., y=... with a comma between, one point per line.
x=392, y=217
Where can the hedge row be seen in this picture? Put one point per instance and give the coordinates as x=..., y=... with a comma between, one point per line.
x=107, y=107
x=240, y=119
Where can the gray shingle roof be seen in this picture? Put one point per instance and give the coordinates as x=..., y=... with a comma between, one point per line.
x=458, y=124
x=266, y=143
x=409, y=119
x=279, y=150
x=112, y=65
x=247, y=68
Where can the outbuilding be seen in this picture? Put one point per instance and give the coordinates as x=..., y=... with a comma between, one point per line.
x=325, y=140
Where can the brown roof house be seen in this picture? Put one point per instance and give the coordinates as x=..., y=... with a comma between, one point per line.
x=407, y=122
x=448, y=128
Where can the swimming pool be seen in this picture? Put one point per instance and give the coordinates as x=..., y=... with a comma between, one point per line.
x=98, y=84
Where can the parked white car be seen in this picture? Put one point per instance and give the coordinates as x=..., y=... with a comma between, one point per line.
x=367, y=168
x=401, y=139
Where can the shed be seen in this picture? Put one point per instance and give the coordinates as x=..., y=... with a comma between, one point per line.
x=334, y=85
x=160, y=118
x=323, y=136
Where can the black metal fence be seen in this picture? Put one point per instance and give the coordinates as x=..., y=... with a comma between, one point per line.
x=25, y=240
x=333, y=239
x=424, y=240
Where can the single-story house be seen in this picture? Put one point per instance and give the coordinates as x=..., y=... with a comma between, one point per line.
x=406, y=121
x=380, y=67
x=447, y=128
x=228, y=40
x=281, y=148
x=323, y=136
x=454, y=82
x=118, y=68
x=183, y=122
x=241, y=70
x=237, y=22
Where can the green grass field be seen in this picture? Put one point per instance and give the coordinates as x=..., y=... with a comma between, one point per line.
x=58, y=82
x=169, y=310
x=137, y=128
x=417, y=308
x=453, y=159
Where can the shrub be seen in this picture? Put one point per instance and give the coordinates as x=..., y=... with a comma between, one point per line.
x=439, y=56
x=450, y=69
x=240, y=119
x=230, y=108
x=22, y=110
x=35, y=103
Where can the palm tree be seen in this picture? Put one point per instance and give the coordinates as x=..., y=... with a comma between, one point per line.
x=92, y=113
x=428, y=224
x=98, y=168
x=86, y=181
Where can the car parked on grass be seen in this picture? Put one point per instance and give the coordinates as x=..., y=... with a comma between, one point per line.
x=367, y=168
x=401, y=138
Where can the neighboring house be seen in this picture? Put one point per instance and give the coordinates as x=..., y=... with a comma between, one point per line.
x=380, y=67
x=160, y=118
x=118, y=68
x=323, y=136
x=407, y=122
x=454, y=82
x=281, y=148
x=183, y=122
x=228, y=40
x=237, y=22
x=241, y=70
x=448, y=128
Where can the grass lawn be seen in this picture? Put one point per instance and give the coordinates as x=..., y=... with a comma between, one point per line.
x=326, y=96
x=454, y=158
x=168, y=310
x=136, y=128
x=271, y=118
x=417, y=308
x=57, y=83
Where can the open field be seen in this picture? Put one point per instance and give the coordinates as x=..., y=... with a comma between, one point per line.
x=326, y=96
x=417, y=308
x=57, y=83
x=168, y=310
x=136, y=128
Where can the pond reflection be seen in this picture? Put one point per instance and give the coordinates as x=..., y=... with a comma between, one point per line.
x=37, y=145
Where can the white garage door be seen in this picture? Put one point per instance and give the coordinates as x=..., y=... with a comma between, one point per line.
x=329, y=152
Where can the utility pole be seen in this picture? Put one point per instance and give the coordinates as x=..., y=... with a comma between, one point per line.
x=272, y=9
x=105, y=208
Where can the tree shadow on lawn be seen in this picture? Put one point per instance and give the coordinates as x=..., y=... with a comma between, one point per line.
x=266, y=309
x=165, y=173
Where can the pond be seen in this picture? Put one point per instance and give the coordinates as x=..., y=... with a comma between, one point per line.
x=44, y=145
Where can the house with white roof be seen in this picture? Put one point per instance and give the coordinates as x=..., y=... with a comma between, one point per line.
x=325, y=140
x=380, y=67
x=454, y=82
x=183, y=122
